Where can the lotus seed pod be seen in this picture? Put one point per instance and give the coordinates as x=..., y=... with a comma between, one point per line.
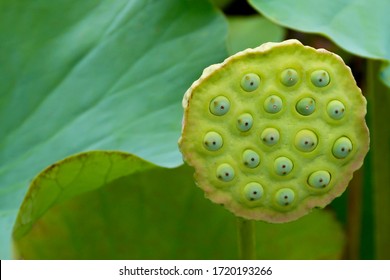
x=289, y=77
x=296, y=153
x=319, y=179
x=270, y=136
x=306, y=106
x=253, y=191
x=212, y=141
x=244, y=122
x=336, y=109
x=250, y=158
x=273, y=104
x=306, y=140
x=250, y=82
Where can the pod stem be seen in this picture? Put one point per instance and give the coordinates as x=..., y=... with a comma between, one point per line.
x=246, y=239
x=379, y=101
x=354, y=216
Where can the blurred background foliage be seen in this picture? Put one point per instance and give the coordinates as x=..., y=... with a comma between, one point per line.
x=81, y=76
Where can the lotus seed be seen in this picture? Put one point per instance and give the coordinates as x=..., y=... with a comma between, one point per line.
x=273, y=104
x=250, y=82
x=289, y=77
x=253, y=191
x=320, y=78
x=250, y=158
x=244, y=122
x=225, y=172
x=306, y=106
x=285, y=197
x=219, y=106
x=306, y=140
x=342, y=147
x=283, y=166
x=212, y=141
x=336, y=109
x=319, y=179
x=270, y=136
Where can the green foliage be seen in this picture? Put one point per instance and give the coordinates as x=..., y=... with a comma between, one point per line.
x=250, y=32
x=350, y=23
x=124, y=211
x=86, y=75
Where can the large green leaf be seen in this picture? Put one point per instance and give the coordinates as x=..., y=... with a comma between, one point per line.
x=359, y=26
x=84, y=75
x=152, y=213
x=251, y=31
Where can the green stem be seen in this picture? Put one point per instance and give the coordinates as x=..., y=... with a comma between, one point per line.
x=354, y=216
x=246, y=239
x=379, y=104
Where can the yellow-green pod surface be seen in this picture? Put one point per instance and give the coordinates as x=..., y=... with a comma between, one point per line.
x=275, y=159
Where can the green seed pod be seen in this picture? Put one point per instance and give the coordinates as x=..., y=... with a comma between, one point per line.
x=244, y=122
x=225, y=172
x=270, y=136
x=336, y=109
x=253, y=191
x=285, y=197
x=273, y=104
x=250, y=158
x=283, y=166
x=319, y=179
x=320, y=78
x=219, y=106
x=306, y=106
x=212, y=141
x=285, y=91
x=250, y=82
x=306, y=140
x=342, y=147
x=289, y=77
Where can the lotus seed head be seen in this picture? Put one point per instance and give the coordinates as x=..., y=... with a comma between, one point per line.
x=283, y=166
x=285, y=197
x=270, y=136
x=289, y=77
x=212, y=141
x=306, y=106
x=219, y=106
x=225, y=172
x=250, y=158
x=320, y=78
x=250, y=82
x=336, y=109
x=273, y=104
x=253, y=191
x=244, y=122
x=275, y=131
x=306, y=140
x=319, y=179
x=342, y=147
